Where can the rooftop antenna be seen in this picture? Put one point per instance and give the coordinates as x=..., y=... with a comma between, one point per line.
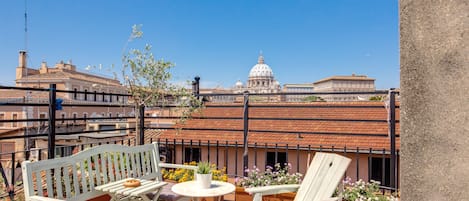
x=26, y=25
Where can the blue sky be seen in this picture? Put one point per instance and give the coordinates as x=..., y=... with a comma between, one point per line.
x=302, y=40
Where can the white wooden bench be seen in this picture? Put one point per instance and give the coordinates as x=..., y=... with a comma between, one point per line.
x=76, y=177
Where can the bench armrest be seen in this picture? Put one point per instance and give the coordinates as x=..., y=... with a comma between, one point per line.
x=170, y=165
x=40, y=198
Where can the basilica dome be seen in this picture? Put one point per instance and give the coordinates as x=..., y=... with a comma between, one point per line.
x=239, y=84
x=261, y=69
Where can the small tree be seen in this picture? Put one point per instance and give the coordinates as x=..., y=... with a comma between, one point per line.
x=149, y=81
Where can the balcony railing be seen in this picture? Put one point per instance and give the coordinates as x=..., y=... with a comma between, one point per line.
x=224, y=153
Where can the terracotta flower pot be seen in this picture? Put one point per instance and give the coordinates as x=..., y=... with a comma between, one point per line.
x=242, y=195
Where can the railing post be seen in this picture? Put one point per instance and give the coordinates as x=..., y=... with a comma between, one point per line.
x=196, y=86
x=11, y=191
x=5, y=179
x=392, y=132
x=246, y=130
x=51, y=136
x=141, y=124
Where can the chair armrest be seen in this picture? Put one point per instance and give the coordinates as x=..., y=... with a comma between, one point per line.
x=274, y=189
x=332, y=199
x=270, y=190
x=170, y=165
x=40, y=198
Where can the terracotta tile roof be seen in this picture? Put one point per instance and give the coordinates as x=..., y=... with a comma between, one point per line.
x=338, y=124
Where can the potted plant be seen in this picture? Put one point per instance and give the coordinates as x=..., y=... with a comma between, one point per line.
x=203, y=176
x=276, y=175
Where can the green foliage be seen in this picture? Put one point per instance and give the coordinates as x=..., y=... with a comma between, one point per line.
x=204, y=168
x=313, y=99
x=183, y=174
x=148, y=80
x=361, y=190
x=272, y=176
x=377, y=98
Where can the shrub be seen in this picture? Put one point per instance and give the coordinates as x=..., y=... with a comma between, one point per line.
x=363, y=191
x=182, y=175
x=272, y=176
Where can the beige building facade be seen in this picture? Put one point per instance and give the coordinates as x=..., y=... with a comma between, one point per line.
x=353, y=83
x=297, y=88
x=99, y=90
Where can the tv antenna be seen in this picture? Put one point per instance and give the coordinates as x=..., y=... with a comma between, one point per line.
x=26, y=25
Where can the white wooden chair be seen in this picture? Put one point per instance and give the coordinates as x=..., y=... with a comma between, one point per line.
x=321, y=179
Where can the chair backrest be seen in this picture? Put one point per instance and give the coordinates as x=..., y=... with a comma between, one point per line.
x=323, y=176
x=75, y=177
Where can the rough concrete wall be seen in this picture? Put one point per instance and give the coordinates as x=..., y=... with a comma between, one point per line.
x=435, y=102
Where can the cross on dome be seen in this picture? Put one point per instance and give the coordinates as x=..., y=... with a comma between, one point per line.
x=260, y=60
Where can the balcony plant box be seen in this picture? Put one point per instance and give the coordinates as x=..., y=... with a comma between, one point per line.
x=276, y=175
x=242, y=195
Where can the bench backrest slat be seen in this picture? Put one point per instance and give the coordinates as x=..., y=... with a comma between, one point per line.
x=68, y=188
x=91, y=173
x=39, y=182
x=58, y=182
x=49, y=182
x=75, y=177
x=122, y=169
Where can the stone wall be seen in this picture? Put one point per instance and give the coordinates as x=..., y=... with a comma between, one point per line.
x=435, y=101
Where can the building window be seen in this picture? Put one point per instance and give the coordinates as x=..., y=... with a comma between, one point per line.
x=42, y=116
x=2, y=117
x=64, y=151
x=63, y=117
x=6, y=147
x=14, y=117
x=380, y=173
x=191, y=154
x=166, y=154
x=272, y=159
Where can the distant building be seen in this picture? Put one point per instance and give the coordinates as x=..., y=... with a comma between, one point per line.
x=218, y=98
x=66, y=77
x=297, y=88
x=261, y=79
x=353, y=83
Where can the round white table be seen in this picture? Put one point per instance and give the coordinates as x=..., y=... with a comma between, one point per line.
x=191, y=189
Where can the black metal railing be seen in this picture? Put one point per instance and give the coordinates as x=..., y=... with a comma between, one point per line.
x=221, y=150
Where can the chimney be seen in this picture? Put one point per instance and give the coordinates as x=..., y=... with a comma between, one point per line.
x=22, y=59
x=21, y=70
